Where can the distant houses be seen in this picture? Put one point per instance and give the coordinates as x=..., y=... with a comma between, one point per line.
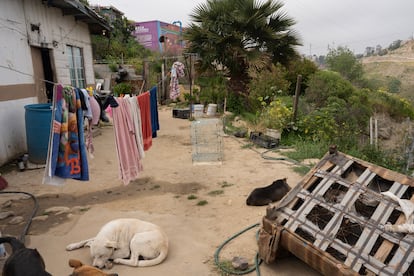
x=161, y=37
x=155, y=35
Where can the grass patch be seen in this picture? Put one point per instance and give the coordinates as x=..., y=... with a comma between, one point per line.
x=306, y=150
x=302, y=170
x=215, y=192
x=224, y=265
x=191, y=197
x=247, y=146
x=155, y=187
x=225, y=268
x=177, y=196
x=202, y=202
x=225, y=184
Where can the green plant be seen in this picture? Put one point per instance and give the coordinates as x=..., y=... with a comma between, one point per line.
x=226, y=184
x=191, y=197
x=215, y=192
x=275, y=115
x=194, y=97
x=113, y=67
x=202, y=202
x=302, y=170
x=122, y=88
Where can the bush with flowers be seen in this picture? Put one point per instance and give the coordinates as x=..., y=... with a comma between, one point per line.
x=275, y=114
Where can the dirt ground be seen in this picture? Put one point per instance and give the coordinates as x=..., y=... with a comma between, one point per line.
x=168, y=193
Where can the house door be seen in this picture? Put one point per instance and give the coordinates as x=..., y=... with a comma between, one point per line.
x=42, y=68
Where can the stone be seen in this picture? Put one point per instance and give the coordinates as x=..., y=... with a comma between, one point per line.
x=41, y=218
x=6, y=214
x=16, y=220
x=240, y=263
x=58, y=210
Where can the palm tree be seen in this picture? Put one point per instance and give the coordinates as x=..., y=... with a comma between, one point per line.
x=237, y=36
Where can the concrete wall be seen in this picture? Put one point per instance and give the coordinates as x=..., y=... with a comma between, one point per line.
x=28, y=24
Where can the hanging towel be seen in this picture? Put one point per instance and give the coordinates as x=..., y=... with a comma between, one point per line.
x=127, y=151
x=136, y=120
x=177, y=71
x=155, y=124
x=88, y=121
x=145, y=108
x=96, y=110
x=67, y=152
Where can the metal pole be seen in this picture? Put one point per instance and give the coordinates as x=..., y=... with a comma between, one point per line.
x=190, y=78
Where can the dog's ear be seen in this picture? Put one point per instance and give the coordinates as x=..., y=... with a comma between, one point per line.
x=111, y=244
x=75, y=263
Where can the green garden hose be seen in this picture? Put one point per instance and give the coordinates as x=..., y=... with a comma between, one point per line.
x=257, y=261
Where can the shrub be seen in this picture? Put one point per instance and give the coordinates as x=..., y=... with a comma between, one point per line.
x=122, y=88
x=266, y=85
x=276, y=114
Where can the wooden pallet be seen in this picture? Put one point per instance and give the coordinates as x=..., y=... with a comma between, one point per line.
x=333, y=220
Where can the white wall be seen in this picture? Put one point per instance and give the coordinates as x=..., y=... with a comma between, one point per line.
x=16, y=67
x=14, y=51
x=64, y=30
x=13, y=128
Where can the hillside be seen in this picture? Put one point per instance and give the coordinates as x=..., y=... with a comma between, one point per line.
x=397, y=64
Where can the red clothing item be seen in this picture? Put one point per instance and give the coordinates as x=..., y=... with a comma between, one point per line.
x=144, y=103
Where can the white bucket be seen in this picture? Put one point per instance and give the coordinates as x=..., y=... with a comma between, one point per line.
x=275, y=133
x=211, y=110
x=198, y=110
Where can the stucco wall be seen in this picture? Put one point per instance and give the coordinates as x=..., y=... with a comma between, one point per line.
x=17, y=36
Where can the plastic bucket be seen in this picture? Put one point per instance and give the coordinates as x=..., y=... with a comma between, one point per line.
x=211, y=110
x=38, y=120
x=198, y=110
x=274, y=133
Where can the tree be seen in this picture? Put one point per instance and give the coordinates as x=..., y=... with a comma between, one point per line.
x=237, y=36
x=303, y=67
x=120, y=44
x=395, y=45
x=343, y=61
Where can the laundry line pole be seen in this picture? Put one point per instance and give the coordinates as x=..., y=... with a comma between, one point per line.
x=373, y=131
x=190, y=78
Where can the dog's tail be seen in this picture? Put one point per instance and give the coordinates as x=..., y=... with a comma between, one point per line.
x=155, y=261
x=14, y=242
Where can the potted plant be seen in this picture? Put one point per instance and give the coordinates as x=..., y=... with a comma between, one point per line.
x=274, y=117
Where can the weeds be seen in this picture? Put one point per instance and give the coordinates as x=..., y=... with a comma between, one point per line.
x=216, y=192
x=225, y=184
x=202, y=202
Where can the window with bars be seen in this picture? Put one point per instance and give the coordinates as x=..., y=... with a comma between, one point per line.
x=76, y=67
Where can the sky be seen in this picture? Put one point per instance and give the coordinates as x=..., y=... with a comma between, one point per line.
x=320, y=24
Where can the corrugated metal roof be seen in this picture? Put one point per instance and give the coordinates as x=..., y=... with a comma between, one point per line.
x=97, y=24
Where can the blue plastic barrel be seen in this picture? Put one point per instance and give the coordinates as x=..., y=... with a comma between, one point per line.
x=38, y=120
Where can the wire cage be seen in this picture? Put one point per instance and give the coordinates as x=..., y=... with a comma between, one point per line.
x=207, y=141
x=334, y=220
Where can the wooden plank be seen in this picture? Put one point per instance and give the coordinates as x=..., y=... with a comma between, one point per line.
x=386, y=246
x=368, y=237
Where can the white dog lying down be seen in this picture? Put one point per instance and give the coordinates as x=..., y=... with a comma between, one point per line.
x=125, y=238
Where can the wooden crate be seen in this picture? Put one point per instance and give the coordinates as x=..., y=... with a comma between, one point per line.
x=263, y=140
x=334, y=220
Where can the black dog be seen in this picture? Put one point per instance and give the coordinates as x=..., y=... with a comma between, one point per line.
x=23, y=261
x=265, y=195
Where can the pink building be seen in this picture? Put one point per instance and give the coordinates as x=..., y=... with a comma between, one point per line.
x=160, y=36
